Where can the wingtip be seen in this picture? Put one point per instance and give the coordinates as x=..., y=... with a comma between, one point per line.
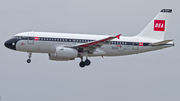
x=118, y=36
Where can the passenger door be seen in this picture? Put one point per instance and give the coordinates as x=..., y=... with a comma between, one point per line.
x=30, y=38
x=135, y=44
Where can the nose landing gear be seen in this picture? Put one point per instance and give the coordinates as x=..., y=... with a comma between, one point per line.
x=28, y=60
x=30, y=55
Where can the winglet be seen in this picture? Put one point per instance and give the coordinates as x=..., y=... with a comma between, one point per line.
x=118, y=36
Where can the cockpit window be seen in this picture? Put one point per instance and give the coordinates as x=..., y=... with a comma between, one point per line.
x=19, y=37
x=13, y=37
x=16, y=37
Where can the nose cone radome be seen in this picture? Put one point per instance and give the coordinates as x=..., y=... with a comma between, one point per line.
x=11, y=44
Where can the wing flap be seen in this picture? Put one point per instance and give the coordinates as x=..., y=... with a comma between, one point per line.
x=91, y=46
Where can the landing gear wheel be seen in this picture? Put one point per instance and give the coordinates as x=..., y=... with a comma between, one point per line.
x=28, y=60
x=82, y=64
x=87, y=62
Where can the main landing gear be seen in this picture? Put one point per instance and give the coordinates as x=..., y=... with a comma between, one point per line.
x=84, y=63
x=29, y=60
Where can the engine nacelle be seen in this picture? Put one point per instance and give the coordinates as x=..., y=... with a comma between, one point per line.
x=64, y=54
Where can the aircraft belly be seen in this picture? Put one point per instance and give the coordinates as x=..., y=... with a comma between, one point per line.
x=22, y=45
x=110, y=50
x=49, y=47
x=117, y=50
x=99, y=52
x=105, y=50
x=25, y=46
x=37, y=46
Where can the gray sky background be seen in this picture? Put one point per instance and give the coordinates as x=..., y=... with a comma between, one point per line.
x=151, y=76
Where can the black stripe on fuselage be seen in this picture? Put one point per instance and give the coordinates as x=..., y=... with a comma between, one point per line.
x=80, y=41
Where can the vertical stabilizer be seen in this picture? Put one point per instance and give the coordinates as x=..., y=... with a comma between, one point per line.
x=157, y=27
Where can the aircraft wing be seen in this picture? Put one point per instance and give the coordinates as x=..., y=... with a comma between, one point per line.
x=94, y=44
x=99, y=42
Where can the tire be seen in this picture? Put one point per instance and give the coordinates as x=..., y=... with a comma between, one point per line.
x=87, y=62
x=82, y=64
x=28, y=60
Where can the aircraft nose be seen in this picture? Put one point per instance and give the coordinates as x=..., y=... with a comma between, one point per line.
x=6, y=44
x=10, y=44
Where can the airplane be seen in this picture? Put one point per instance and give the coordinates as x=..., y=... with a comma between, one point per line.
x=68, y=46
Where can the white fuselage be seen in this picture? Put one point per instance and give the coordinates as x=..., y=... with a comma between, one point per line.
x=44, y=42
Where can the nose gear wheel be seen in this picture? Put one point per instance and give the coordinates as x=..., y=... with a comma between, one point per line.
x=30, y=55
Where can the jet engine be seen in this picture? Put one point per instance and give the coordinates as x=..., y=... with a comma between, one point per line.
x=63, y=54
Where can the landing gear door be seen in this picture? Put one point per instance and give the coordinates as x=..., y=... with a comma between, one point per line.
x=30, y=38
x=135, y=44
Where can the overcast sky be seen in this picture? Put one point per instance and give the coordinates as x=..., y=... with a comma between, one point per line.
x=151, y=76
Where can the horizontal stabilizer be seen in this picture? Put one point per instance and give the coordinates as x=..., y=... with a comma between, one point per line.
x=160, y=42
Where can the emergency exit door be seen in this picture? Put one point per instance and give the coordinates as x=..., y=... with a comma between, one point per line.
x=135, y=44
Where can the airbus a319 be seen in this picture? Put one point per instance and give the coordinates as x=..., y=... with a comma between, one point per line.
x=68, y=46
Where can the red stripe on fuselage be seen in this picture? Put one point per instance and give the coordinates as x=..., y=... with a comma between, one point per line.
x=36, y=38
x=140, y=43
